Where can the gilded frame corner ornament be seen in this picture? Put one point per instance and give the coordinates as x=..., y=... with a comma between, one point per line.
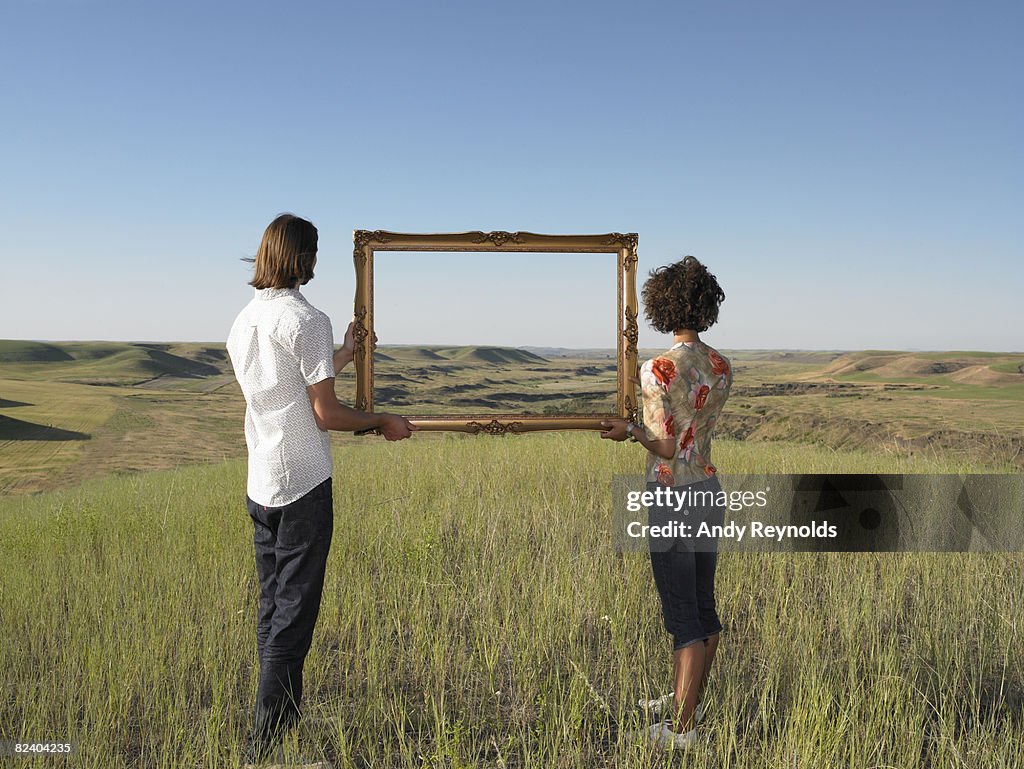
x=367, y=242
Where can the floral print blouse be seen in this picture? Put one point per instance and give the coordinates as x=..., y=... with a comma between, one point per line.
x=683, y=391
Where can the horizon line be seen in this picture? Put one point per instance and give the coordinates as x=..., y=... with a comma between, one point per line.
x=537, y=346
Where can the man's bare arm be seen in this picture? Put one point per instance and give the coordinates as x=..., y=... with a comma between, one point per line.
x=346, y=354
x=341, y=359
x=332, y=415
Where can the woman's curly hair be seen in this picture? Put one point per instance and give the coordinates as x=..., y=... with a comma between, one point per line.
x=682, y=295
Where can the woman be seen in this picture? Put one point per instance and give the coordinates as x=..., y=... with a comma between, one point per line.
x=683, y=392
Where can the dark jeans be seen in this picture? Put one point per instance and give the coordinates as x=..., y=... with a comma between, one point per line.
x=684, y=569
x=292, y=543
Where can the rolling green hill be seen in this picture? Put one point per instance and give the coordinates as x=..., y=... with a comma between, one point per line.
x=107, y=363
x=994, y=369
x=459, y=353
x=17, y=351
x=479, y=354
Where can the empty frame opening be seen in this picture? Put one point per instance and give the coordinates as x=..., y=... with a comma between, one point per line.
x=488, y=333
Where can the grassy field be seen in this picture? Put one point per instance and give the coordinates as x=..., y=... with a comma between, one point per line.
x=475, y=615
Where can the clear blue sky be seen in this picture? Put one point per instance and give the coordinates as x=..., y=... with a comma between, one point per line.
x=852, y=172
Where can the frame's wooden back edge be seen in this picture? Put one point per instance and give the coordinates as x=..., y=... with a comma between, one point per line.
x=508, y=423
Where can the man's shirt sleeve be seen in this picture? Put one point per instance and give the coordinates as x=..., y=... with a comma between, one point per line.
x=314, y=347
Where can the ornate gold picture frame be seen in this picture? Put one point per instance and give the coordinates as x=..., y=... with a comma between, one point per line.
x=624, y=245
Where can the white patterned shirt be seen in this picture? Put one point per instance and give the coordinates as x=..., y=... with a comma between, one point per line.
x=278, y=345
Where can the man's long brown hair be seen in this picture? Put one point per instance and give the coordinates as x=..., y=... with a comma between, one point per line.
x=287, y=254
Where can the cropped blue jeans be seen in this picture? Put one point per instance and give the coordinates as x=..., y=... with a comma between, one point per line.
x=684, y=567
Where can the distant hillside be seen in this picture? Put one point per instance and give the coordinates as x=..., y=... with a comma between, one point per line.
x=170, y=364
x=962, y=367
x=461, y=354
x=784, y=356
x=16, y=351
x=491, y=355
x=409, y=353
x=110, y=362
x=589, y=353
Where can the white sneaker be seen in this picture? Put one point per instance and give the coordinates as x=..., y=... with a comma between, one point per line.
x=330, y=723
x=664, y=703
x=661, y=736
x=292, y=763
x=278, y=760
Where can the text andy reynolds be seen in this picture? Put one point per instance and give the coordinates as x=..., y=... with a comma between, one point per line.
x=732, y=530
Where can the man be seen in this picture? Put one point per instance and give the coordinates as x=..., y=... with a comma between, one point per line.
x=282, y=352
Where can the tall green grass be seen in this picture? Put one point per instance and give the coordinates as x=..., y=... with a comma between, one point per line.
x=475, y=615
